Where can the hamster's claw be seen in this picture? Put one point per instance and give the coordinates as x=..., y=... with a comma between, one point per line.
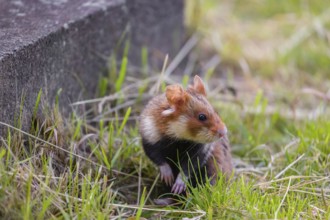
x=179, y=185
x=166, y=174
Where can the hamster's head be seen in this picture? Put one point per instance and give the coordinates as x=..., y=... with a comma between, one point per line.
x=190, y=116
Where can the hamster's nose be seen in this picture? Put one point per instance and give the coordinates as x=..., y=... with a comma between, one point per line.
x=223, y=131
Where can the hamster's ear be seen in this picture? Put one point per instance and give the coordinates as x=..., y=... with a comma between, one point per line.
x=176, y=95
x=198, y=86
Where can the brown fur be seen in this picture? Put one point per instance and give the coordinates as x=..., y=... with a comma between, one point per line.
x=220, y=160
x=189, y=103
x=184, y=106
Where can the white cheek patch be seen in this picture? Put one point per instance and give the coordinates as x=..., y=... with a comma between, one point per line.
x=179, y=128
x=168, y=112
x=149, y=131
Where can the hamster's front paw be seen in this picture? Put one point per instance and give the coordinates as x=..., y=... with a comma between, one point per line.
x=179, y=185
x=166, y=174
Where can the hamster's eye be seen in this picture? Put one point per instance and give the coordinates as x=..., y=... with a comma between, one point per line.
x=202, y=117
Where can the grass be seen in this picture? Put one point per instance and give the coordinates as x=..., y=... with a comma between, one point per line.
x=267, y=68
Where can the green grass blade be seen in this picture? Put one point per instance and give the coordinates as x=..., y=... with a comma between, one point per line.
x=122, y=74
x=141, y=205
x=128, y=112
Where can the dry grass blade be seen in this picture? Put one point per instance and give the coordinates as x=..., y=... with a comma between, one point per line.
x=320, y=178
x=191, y=43
x=282, y=201
x=200, y=212
x=304, y=32
x=316, y=93
x=289, y=166
x=156, y=88
x=53, y=145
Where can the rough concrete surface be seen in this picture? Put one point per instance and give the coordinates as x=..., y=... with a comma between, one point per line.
x=53, y=44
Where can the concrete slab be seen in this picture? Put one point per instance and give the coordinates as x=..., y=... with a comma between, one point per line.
x=50, y=44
